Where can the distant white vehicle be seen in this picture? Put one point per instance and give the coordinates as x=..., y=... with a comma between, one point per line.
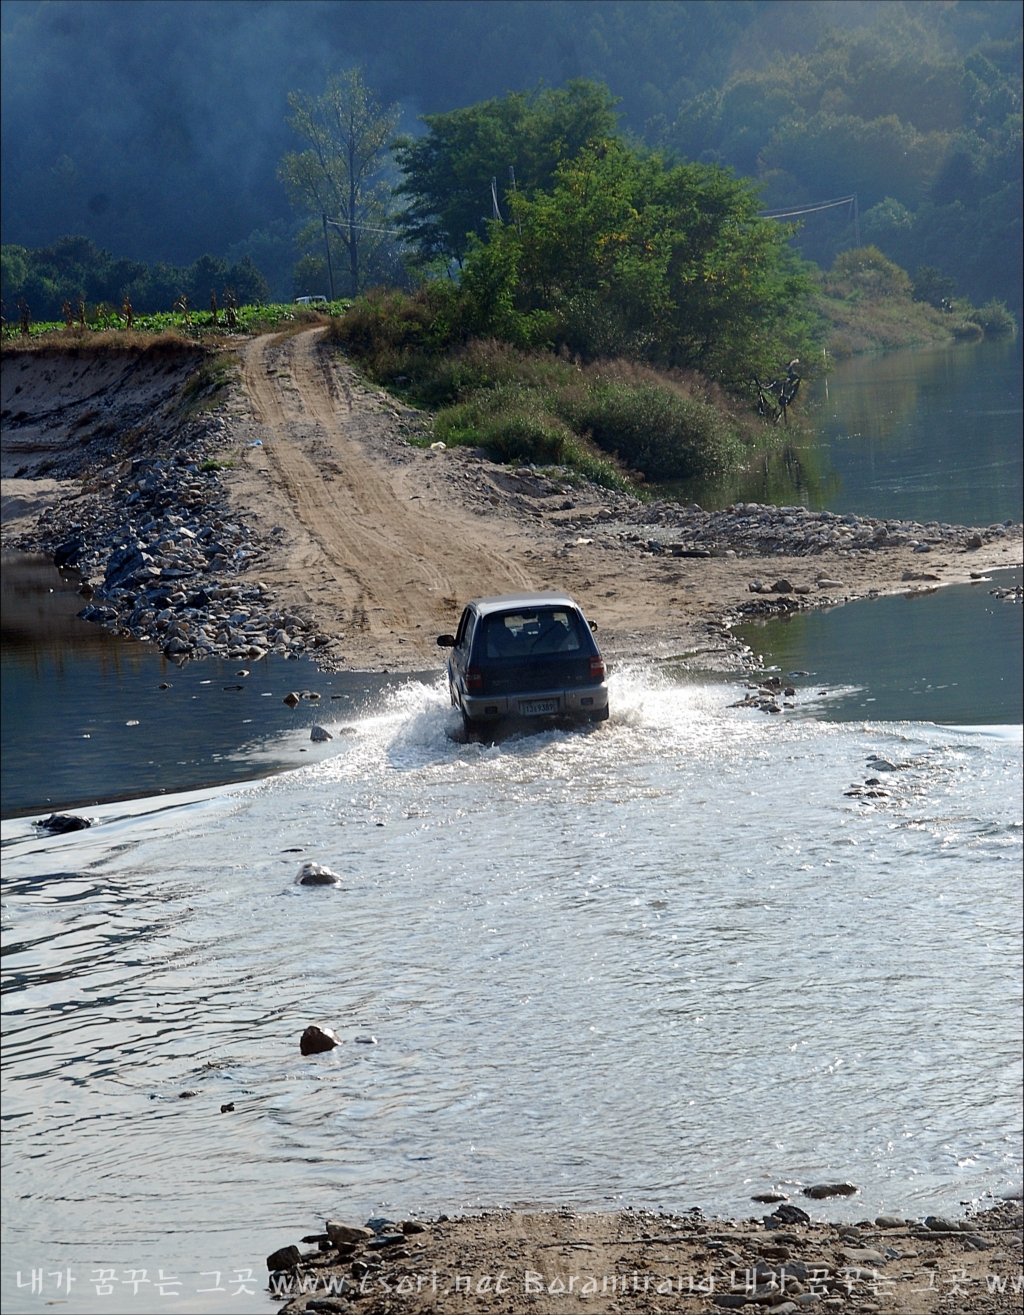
x=310, y=301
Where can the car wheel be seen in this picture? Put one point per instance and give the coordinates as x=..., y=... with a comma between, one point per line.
x=470, y=729
x=602, y=714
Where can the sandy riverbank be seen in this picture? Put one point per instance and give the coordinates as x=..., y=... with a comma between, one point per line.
x=785, y=1259
x=293, y=514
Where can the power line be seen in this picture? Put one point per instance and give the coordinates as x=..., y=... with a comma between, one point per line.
x=369, y=228
x=815, y=206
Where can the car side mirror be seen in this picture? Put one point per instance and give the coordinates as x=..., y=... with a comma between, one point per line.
x=446, y=641
x=592, y=624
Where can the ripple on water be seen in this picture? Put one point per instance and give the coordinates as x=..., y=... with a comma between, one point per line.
x=662, y=960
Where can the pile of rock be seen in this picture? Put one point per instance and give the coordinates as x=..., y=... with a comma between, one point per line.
x=158, y=549
x=755, y=528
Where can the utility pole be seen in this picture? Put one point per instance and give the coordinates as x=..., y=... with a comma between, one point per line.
x=856, y=221
x=494, y=200
x=327, y=248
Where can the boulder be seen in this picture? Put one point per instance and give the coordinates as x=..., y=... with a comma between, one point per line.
x=782, y=586
x=822, y=1190
x=284, y=1258
x=68, y=553
x=315, y=874
x=59, y=823
x=291, y=699
x=316, y=1040
x=940, y=1224
x=787, y=1214
x=769, y=1198
x=319, y=735
x=347, y=1234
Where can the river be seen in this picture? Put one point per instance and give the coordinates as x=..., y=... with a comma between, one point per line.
x=669, y=961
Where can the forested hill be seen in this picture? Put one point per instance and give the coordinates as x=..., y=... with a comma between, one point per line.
x=929, y=142
x=156, y=129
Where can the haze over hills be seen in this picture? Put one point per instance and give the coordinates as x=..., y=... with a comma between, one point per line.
x=156, y=129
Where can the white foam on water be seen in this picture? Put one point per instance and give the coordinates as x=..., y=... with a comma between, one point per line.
x=665, y=959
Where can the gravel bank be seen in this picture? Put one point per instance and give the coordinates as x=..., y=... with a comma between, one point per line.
x=781, y=1260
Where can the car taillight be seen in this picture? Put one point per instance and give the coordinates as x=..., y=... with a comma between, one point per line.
x=475, y=679
x=597, y=668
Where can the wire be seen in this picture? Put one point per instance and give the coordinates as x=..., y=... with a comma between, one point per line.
x=809, y=209
x=370, y=228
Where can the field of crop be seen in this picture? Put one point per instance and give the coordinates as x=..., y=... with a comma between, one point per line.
x=192, y=324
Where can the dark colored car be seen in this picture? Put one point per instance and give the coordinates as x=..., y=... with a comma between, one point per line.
x=525, y=655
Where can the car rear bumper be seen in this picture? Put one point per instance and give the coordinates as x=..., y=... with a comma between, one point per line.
x=580, y=701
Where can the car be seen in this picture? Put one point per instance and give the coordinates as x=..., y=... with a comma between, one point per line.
x=311, y=301
x=529, y=656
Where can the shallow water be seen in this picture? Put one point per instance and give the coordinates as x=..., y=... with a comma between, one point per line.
x=928, y=433
x=664, y=961
x=89, y=716
x=953, y=655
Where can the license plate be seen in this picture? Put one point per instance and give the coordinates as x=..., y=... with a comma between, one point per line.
x=537, y=707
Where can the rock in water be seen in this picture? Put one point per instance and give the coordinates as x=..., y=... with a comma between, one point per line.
x=320, y=736
x=284, y=1258
x=315, y=1040
x=770, y=1198
x=59, y=823
x=68, y=553
x=291, y=699
x=821, y=1190
x=315, y=874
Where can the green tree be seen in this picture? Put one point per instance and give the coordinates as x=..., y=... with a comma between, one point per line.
x=627, y=256
x=340, y=174
x=447, y=172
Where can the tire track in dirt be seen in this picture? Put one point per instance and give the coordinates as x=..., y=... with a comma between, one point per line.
x=397, y=565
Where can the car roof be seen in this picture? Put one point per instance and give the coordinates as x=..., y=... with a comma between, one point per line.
x=507, y=602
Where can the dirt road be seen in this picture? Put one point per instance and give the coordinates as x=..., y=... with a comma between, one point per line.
x=360, y=540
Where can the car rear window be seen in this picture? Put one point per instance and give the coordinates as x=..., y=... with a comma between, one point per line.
x=523, y=634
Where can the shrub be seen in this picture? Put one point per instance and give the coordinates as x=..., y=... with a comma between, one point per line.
x=867, y=271
x=995, y=319
x=514, y=424
x=653, y=429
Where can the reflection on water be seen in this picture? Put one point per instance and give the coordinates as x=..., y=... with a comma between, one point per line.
x=664, y=961
x=922, y=434
x=85, y=717
x=954, y=655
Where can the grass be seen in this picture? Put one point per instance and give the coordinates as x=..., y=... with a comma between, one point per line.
x=203, y=390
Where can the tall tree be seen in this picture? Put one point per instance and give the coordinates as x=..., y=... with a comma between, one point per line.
x=339, y=177
x=517, y=140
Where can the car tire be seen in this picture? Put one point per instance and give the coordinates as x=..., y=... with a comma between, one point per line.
x=602, y=714
x=470, y=730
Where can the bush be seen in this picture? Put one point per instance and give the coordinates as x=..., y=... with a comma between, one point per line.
x=653, y=429
x=866, y=271
x=995, y=319
x=514, y=424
